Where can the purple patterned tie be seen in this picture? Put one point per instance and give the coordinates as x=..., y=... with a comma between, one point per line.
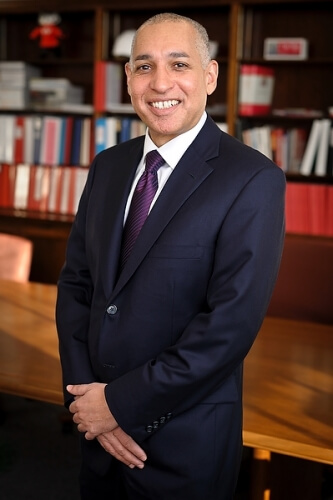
x=142, y=198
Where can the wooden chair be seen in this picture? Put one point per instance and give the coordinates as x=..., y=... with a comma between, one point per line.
x=15, y=257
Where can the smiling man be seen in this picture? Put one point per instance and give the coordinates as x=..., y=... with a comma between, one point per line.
x=169, y=270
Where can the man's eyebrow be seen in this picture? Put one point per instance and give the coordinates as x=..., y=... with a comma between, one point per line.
x=174, y=55
x=178, y=54
x=142, y=57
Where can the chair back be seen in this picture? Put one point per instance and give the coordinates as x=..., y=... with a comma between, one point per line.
x=15, y=257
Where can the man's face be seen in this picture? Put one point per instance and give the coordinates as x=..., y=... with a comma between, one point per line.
x=167, y=83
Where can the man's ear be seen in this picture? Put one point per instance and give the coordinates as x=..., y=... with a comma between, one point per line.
x=212, y=72
x=128, y=72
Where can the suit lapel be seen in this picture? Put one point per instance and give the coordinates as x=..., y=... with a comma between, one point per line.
x=190, y=172
x=119, y=185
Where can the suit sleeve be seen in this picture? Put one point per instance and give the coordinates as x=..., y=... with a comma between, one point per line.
x=73, y=305
x=216, y=341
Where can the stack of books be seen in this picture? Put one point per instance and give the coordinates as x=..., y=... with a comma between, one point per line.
x=53, y=93
x=14, y=82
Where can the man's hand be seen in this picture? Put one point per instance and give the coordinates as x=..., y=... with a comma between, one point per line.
x=91, y=412
x=122, y=447
x=93, y=417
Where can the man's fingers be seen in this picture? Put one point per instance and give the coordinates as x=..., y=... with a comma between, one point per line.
x=77, y=390
x=127, y=456
x=129, y=444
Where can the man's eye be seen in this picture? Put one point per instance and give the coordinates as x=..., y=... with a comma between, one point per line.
x=143, y=67
x=180, y=65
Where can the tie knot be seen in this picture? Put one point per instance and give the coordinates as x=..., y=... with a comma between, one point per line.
x=153, y=161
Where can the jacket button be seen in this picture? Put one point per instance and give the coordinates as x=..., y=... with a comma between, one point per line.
x=156, y=424
x=112, y=309
x=149, y=428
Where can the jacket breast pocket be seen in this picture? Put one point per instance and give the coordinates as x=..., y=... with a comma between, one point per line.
x=176, y=252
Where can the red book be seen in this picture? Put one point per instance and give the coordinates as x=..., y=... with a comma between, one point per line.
x=18, y=139
x=317, y=208
x=329, y=218
x=44, y=189
x=71, y=191
x=33, y=201
x=297, y=208
x=50, y=140
x=7, y=185
x=99, y=86
x=68, y=139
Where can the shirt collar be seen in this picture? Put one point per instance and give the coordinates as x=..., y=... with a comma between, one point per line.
x=173, y=150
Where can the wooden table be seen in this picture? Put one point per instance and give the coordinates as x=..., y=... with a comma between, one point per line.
x=29, y=359
x=288, y=382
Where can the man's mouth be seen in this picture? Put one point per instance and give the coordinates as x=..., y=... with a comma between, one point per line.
x=164, y=104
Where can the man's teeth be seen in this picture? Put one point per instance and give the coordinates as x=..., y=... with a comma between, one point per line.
x=164, y=104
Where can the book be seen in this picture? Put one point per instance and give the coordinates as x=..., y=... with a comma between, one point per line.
x=308, y=160
x=69, y=124
x=21, y=186
x=37, y=122
x=50, y=140
x=28, y=147
x=18, y=139
x=17, y=73
x=100, y=134
x=7, y=185
x=76, y=141
x=296, y=146
x=330, y=155
x=317, y=211
x=54, y=188
x=85, y=142
x=33, y=202
x=42, y=187
x=112, y=129
x=297, y=208
x=113, y=83
x=125, y=129
x=67, y=190
x=53, y=91
x=8, y=138
x=99, y=86
x=81, y=175
x=320, y=167
x=62, y=141
x=329, y=220
x=13, y=98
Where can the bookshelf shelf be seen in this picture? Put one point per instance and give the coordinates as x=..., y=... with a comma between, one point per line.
x=75, y=61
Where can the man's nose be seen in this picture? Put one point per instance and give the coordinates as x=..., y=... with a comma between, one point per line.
x=161, y=80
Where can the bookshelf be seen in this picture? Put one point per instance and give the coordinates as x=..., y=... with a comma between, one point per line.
x=240, y=28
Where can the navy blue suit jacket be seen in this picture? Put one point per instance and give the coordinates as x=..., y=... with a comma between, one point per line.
x=170, y=333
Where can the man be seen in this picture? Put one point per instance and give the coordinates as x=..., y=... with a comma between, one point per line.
x=152, y=347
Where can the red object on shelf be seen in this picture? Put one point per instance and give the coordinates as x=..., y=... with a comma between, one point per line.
x=256, y=84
